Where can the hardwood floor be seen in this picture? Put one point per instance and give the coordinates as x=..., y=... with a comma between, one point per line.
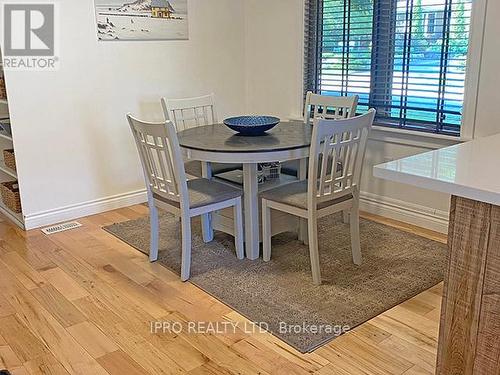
x=81, y=302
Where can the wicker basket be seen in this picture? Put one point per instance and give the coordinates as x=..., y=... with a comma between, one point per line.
x=3, y=91
x=272, y=171
x=10, y=195
x=9, y=159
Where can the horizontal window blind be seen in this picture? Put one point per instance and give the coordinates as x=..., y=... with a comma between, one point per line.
x=406, y=58
x=312, y=48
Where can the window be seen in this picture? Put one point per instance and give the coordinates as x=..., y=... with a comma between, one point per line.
x=406, y=58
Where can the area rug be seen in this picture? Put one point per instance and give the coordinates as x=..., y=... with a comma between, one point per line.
x=280, y=294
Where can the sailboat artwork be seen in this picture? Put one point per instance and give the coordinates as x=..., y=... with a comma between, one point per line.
x=142, y=19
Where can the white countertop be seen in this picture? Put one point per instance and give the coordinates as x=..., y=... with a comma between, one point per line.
x=470, y=170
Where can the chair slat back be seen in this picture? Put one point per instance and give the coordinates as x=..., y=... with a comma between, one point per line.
x=161, y=158
x=190, y=112
x=329, y=107
x=335, y=141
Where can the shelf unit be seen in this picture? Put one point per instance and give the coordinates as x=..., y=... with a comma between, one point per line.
x=4, y=135
x=18, y=219
x=7, y=174
x=7, y=170
x=236, y=178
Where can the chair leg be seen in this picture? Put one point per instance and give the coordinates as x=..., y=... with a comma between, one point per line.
x=355, y=241
x=314, y=250
x=266, y=231
x=206, y=228
x=206, y=219
x=303, y=231
x=186, y=247
x=345, y=216
x=155, y=232
x=302, y=175
x=238, y=229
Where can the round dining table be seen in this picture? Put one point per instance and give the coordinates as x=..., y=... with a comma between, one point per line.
x=218, y=144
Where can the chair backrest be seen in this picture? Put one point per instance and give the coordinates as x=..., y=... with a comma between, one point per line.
x=190, y=112
x=335, y=141
x=329, y=107
x=161, y=158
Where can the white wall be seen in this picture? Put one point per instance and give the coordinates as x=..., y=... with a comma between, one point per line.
x=73, y=144
x=488, y=109
x=274, y=33
x=274, y=41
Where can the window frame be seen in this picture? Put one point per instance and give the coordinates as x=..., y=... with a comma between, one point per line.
x=472, y=75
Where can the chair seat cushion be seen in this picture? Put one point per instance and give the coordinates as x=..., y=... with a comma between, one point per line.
x=193, y=168
x=203, y=192
x=295, y=194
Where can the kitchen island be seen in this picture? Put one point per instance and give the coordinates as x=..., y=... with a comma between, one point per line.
x=469, y=339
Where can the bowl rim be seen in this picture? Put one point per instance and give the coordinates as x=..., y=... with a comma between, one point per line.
x=273, y=120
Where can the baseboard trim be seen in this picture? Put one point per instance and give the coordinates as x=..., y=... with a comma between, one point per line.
x=410, y=213
x=418, y=215
x=76, y=211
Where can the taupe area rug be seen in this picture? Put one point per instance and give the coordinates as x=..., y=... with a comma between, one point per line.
x=396, y=266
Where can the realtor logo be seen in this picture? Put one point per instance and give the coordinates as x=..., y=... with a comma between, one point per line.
x=29, y=36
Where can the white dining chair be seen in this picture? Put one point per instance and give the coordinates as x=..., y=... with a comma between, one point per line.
x=168, y=188
x=191, y=112
x=323, y=107
x=328, y=190
x=328, y=107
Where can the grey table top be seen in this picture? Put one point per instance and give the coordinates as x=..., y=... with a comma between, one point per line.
x=219, y=138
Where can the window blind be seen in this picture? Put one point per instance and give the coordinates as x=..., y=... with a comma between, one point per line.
x=406, y=58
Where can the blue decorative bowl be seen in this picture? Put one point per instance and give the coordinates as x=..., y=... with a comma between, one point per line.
x=251, y=125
